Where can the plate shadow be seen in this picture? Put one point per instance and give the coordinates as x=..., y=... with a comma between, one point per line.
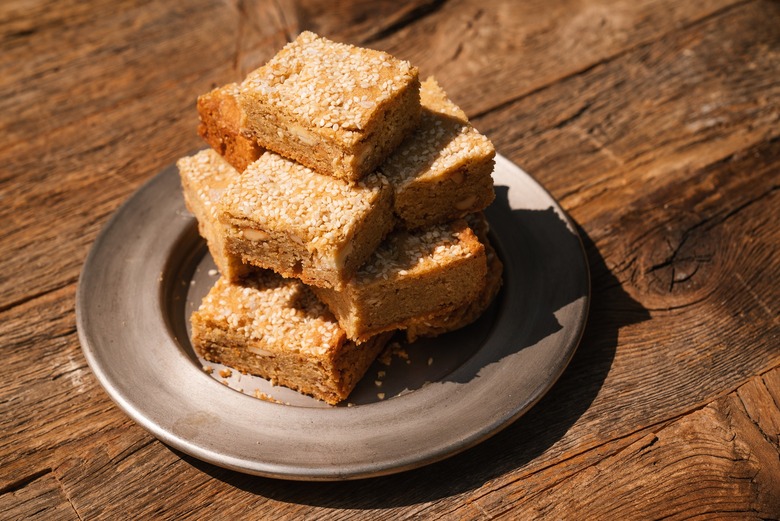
x=530, y=438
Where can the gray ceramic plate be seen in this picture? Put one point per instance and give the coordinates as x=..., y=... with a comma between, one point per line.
x=148, y=269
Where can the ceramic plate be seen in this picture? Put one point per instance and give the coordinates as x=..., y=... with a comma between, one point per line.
x=149, y=269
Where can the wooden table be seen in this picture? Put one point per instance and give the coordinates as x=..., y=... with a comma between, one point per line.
x=655, y=123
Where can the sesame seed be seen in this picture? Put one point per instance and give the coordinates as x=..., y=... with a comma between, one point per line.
x=443, y=142
x=314, y=78
x=273, y=315
x=319, y=212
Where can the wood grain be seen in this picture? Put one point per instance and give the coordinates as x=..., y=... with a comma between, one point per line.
x=41, y=498
x=655, y=123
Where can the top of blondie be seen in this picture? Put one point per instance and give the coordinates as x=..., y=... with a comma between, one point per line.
x=329, y=85
x=273, y=313
x=321, y=211
x=209, y=174
x=443, y=140
x=406, y=253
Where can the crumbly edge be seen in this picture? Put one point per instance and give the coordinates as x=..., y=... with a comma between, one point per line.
x=220, y=125
x=328, y=374
x=445, y=156
x=203, y=177
x=390, y=298
x=330, y=380
x=463, y=190
x=438, y=324
x=317, y=260
x=314, y=135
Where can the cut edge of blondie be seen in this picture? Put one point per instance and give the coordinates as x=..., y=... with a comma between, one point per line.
x=336, y=108
x=220, y=125
x=275, y=328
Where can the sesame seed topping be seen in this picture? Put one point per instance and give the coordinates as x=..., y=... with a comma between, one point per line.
x=277, y=194
x=319, y=81
x=409, y=254
x=272, y=315
x=442, y=142
x=209, y=175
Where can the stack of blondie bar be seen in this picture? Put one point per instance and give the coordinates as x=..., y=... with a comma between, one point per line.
x=341, y=200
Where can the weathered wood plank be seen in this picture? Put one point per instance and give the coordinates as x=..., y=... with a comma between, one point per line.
x=40, y=499
x=121, y=94
x=48, y=397
x=716, y=294
x=714, y=462
x=658, y=132
x=669, y=108
x=487, y=54
x=100, y=84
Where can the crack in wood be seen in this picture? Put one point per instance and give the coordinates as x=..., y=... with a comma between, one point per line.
x=412, y=16
x=132, y=449
x=746, y=411
x=574, y=117
x=649, y=439
x=24, y=481
x=72, y=368
x=29, y=298
x=707, y=223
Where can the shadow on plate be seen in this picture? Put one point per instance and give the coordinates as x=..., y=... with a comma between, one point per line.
x=529, y=437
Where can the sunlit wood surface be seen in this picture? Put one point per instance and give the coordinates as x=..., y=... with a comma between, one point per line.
x=655, y=123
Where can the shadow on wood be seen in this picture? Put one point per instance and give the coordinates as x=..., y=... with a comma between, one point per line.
x=532, y=442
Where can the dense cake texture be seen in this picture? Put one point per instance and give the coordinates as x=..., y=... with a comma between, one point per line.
x=221, y=118
x=338, y=109
x=283, y=216
x=437, y=324
x=429, y=272
x=443, y=170
x=277, y=329
x=204, y=178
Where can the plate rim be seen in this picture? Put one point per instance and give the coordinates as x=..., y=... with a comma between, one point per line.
x=189, y=437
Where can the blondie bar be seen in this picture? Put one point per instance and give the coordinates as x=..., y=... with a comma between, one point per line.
x=277, y=329
x=336, y=108
x=429, y=272
x=221, y=118
x=437, y=324
x=445, y=156
x=283, y=216
x=204, y=178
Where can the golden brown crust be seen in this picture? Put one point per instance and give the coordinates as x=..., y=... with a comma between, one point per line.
x=283, y=216
x=277, y=329
x=443, y=170
x=437, y=324
x=427, y=272
x=205, y=176
x=338, y=109
x=221, y=120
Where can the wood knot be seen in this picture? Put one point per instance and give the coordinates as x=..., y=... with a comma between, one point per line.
x=675, y=264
